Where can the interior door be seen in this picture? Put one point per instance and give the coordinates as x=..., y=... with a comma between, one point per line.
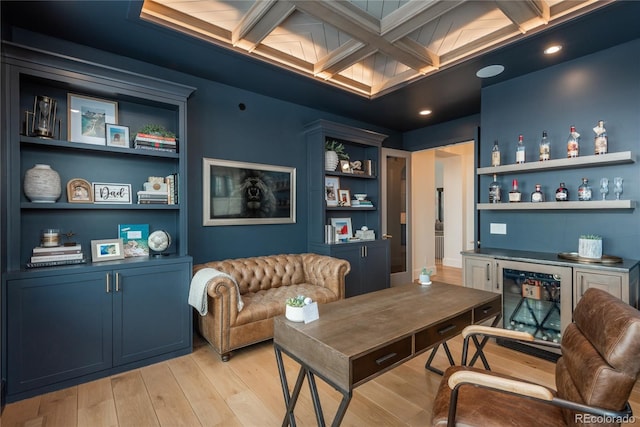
x=396, y=211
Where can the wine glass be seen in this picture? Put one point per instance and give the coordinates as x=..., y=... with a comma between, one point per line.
x=604, y=187
x=617, y=186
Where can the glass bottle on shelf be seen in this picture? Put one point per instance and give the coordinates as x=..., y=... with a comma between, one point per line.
x=545, y=146
x=495, y=154
x=584, y=190
x=573, y=143
x=601, y=141
x=520, y=157
x=495, y=191
x=562, y=194
x=515, y=195
x=537, y=196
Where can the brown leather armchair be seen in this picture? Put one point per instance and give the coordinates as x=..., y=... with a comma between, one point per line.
x=594, y=377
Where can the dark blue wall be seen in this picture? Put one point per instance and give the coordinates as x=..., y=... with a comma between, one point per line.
x=606, y=86
x=453, y=132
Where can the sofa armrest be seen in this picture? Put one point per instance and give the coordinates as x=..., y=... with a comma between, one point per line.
x=326, y=271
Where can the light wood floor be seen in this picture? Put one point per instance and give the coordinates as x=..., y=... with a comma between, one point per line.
x=200, y=390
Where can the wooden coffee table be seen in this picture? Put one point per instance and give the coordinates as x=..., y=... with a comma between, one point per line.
x=359, y=338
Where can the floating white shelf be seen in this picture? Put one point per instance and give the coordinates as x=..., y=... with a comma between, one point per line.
x=572, y=205
x=556, y=164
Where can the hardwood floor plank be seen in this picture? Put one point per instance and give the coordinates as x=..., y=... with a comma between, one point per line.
x=22, y=412
x=96, y=406
x=169, y=402
x=60, y=408
x=133, y=403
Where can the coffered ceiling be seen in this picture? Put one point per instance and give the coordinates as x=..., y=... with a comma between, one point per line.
x=368, y=47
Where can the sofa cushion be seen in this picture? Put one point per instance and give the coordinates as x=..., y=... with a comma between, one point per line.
x=264, y=304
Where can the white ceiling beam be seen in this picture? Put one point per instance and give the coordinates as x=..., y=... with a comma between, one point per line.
x=265, y=18
x=526, y=13
x=414, y=15
x=342, y=58
x=253, y=16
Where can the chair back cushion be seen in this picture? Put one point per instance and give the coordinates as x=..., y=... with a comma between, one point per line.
x=600, y=363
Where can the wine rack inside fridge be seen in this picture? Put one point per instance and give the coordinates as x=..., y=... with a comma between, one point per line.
x=536, y=299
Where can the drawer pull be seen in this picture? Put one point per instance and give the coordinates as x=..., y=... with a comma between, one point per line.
x=447, y=329
x=383, y=359
x=486, y=309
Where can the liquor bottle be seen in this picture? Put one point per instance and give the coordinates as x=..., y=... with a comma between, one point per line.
x=520, y=150
x=562, y=194
x=601, y=141
x=573, y=145
x=584, y=190
x=495, y=191
x=495, y=154
x=545, y=146
x=515, y=195
x=537, y=196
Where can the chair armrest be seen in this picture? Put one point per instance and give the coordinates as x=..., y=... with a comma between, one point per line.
x=326, y=271
x=490, y=331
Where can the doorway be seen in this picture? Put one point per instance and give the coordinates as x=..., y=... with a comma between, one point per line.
x=396, y=212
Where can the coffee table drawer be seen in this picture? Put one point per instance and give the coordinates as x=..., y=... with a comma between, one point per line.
x=488, y=310
x=380, y=359
x=442, y=331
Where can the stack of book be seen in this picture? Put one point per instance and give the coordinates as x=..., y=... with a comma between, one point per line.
x=361, y=203
x=172, y=188
x=146, y=141
x=166, y=195
x=56, y=255
x=146, y=197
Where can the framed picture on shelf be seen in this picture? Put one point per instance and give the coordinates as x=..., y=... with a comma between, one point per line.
x=106, y=250
x=345, y=166
x=79, y=191
x=331, y=187
x=87, y=118
x=240, y=193
x=104, y=192
x=117, y=136
x=344, y=197
x=344, y=231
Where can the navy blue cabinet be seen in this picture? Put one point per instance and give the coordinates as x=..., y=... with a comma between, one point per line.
x=369, y=265
x=64, y=329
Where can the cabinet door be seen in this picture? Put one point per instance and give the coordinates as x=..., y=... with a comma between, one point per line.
x=480, y=273
x=614, y=283
x=58, y=327
x=353, y=280
x=376, y=269
x=151, y=313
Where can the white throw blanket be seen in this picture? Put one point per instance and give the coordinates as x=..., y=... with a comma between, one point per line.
x=198, y=290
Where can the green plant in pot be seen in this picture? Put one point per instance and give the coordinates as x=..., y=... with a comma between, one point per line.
x=425, y=276
x=333, y=153
x=154, y=129
x=294, y=306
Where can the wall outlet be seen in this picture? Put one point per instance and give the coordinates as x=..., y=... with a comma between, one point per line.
x=497, y=228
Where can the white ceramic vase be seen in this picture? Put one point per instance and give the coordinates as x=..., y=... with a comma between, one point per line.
x=294, y=313
x=330, y=160
x=425, y=279
x=590, y=248
x=42, y=184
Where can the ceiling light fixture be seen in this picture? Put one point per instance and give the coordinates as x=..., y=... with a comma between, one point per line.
x=552, y=49
x=490, y=71
x=425, y=112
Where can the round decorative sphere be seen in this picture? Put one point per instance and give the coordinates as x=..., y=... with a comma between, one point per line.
x=42, y=184
x=159, y=241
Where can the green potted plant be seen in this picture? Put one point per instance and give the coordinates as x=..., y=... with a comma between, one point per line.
x=158, y=130
x=425, y=276
x=293, y=308
x=333, y=153
x=590, y=246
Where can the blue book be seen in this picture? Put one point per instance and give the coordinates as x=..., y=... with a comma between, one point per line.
x=135, y=239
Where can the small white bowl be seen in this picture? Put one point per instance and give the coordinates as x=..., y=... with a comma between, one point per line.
x=360, y=196
x=294, y=313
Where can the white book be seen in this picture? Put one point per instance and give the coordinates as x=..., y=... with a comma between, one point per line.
x=41, y=249
x=56, y=257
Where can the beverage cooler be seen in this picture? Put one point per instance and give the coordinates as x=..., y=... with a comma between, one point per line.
x=536, y=298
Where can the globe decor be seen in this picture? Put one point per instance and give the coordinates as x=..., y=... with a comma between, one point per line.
x=159, y=241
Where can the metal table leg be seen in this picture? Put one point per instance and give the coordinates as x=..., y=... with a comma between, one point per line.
x=480, y=346
x=433, y=354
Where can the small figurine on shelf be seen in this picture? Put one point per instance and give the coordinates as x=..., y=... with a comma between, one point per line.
x=68, y=235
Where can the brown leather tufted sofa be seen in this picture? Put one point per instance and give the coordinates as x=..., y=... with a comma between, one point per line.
x=264, y=283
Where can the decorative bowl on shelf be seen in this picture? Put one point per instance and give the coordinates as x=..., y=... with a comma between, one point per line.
x=360, y=196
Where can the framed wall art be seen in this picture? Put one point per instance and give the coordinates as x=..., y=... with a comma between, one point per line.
x=240, y=193
x=106, y=250
x=104, y=192
x=79, y=191
x=117, y=136
x=331, y=187
x=87, y=118
x=344, y=198
x=344, y=230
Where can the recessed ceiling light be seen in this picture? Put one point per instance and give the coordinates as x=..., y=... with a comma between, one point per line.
x=490, y=71
x=552, y=49
x=425, y=112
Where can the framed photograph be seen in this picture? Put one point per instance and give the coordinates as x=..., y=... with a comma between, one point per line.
x=117, y=136
x=345, y=166
x=331, y=187
x=87, y=118
x=344, y=197
x=106, y=250
x=240, y=193
x=344, y=231
x=79, y=191
x=134, y=239
x=104, y=192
